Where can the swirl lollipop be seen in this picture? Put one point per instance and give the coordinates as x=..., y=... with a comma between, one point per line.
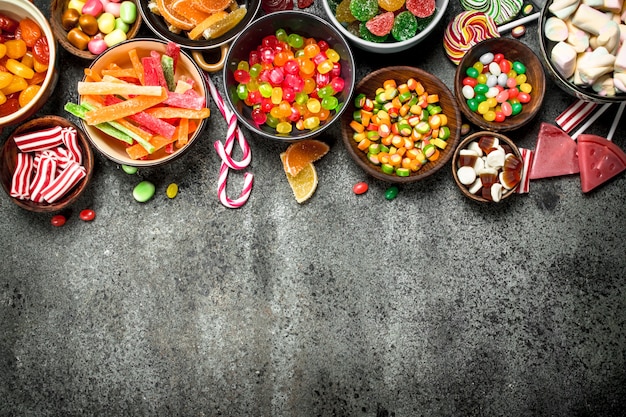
x=501, y=11
x=466, y=30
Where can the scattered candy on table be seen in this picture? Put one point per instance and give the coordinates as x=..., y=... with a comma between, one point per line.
x=172, y=190
x=143, y=191
x=58, y=220
x=391, y=192
x=87, y=215
x=130, y=170
x=360, y=188
x=495, y=87
x=400, y=129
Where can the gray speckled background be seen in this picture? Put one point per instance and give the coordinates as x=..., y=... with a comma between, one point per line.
x=427, y=305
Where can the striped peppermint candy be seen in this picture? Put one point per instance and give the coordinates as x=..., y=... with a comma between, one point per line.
x=527, y=157
x=65, y=181
x=20, y=183
x=40, y=140
x=45, y=174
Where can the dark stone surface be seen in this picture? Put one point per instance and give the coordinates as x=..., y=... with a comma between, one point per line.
x=427, y=305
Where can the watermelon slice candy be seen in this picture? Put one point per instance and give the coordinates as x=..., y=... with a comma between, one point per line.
x=555, y=154
x=600, y=160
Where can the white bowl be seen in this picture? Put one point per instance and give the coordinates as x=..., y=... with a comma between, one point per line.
x=390, y=46
x=18, y=10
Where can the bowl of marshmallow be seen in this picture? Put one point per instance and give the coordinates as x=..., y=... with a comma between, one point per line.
x=582, y=49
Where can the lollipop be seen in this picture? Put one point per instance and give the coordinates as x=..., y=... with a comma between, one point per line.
x=501, y=11
x=466, y=30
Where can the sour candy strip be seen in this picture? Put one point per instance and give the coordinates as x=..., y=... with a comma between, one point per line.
x=39, y=140
x=64, y=182
x=20, y=184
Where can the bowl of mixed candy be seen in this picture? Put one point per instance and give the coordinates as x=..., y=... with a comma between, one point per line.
x=385, y=26
x=289, y=75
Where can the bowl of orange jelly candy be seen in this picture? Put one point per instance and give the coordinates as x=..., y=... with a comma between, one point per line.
x=288, y=75
x=28, y=75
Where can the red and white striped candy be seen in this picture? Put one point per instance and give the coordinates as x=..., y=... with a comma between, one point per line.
x=574, y=114
x=527, y=158
x=20, y=184
x=39, y=140
x=44, y=175
x=61, y=154
x=68, y=136
x=64, y=182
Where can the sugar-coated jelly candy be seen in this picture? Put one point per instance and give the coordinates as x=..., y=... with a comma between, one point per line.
x=311, y=122
x=364, y=10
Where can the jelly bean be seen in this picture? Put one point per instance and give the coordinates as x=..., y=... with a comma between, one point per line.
x=483, y=107
x=75, y=4
x=479, y=66
x=391, y=192
x=96, y=46
x=519, y=67
x=106, y=23
x=172, y=190
x=129, y=169
x=469, y=81
x=525, y=87
x=500, y=117
x=492, y=93
x=143, y=191
x=128, y=12
x=502, y=79
x=505, y=66
x=507, y=110
x=502, y=96
x=481, y=88
x=87, y=215
x=93, y=8
x=516, y=107
x=121, y=25
x=468, y=92
x=115, y=37
x=58, y=220
x=472, y=72
x=482, y=78
x=523, y=97
x=489, y=116
x=360, y=188
x=511, y=83
x=486, y=58
x=518, y=31
x=495, y=69
x=113, y=8
x=492, y=80
x=472, y=103
x=498, y=57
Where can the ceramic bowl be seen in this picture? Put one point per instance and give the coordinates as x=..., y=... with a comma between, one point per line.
x=482, y=194
x=58, y=7
x=115, y=149
x=18, y=10
x=200, y=47
x=293, y=22
x=580, y=91
x=513, y=50
x=432, y=85
x=8, y=162
x=350, y=31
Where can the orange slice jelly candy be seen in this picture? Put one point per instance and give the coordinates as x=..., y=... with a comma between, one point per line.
x=391, y=5
x=299, y=154
x=185, y=9
x=172, y=17
x=211, y=6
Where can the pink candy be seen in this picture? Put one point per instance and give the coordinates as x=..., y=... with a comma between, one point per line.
x=527, y=158
x=49, y=164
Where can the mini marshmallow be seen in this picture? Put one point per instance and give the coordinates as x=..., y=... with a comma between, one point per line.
x=593, y=3
x=604, y=86
x=620, y=59
x=563, y=56
x=578, y=38
x=619, y=80
x=555, y=29
x=592, y=66
x=563, y=8
x=609, y=37
x=614, y=6
x=589, y=19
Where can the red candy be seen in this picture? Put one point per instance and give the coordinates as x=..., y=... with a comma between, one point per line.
x=87, y=215
x=382, y=24
x=421, y=8
x=360, y=188
x=58, y=220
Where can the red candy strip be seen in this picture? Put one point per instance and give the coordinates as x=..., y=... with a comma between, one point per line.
x=64, y=182
x=574, y=114
x=59, y=154
x=20, y=184
x=40, y=140
x=44, y=175
x=527, y=157
x=68, y=136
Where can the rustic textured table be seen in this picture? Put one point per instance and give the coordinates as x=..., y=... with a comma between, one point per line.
x=346, y=305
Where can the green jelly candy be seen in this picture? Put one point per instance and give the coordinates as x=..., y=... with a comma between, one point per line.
x=128, y=11
x=472, y=103
x=391, y=193
x=404, y=26
x=516, y=108
x=387, y=168
x=330, y=103
x=519, y=67
x=364, y=10
x=422, y=22
x=281, y=35
x=365, y=34
x=295, y=41
x=403, y=172
x=129, y=170
x=471, y=72
x=143, y=191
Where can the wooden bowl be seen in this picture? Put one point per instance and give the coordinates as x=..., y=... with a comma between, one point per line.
x=504, y=141
x=8, y=158
x=57, y=7
x=401, y=74
x=513, y=50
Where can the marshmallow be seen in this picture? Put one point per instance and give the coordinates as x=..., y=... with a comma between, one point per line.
x=555, y=29
x=620, y=59
x=589, y=19
x=609, y=37
x=592, y=66
x=563, y=8
x=619, y=80
x=614, y=6
x=563, y=56
x=594, y=3
x=578, y=38
x=604, y=86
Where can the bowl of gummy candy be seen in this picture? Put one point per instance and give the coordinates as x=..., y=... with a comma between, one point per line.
x=206, y=27
x=142, y=102
x=46, y=164
x=500, y=84
x=402, y=125
x=583, y=50
x=385, y=26
x=28, y=74
x=86, y=28
x=487, y=167
x=288, y=75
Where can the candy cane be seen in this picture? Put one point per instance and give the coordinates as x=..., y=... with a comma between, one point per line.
x=574, y=114
x=225, y=150
x=591, y=120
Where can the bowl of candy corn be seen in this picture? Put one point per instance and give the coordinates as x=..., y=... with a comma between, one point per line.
x=583, y=50
x=385, y=26
x=142, y=102
x=288, y=76
x=46, y=164
x=487, y=167
x=29, y=64
x=202, y=26
x=86, y=28
x=402, y=125
x=500, y=84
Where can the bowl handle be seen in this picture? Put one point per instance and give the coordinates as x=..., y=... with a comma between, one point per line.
x=199, y=58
